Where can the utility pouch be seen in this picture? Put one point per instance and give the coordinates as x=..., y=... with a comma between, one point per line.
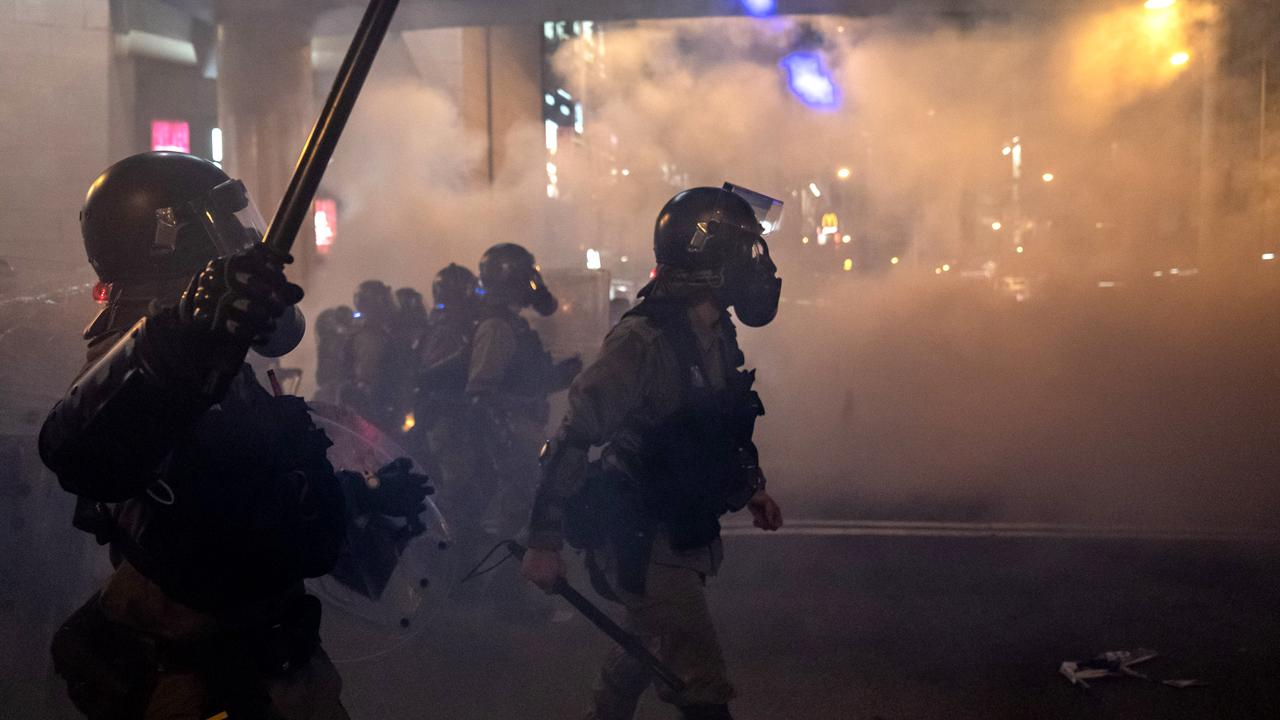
x=110, y=669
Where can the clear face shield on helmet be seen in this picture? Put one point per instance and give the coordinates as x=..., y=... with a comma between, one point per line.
x=228, y=220
x=226, y=214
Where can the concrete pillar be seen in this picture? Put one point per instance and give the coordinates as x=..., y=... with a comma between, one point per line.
x=501, y=89
x=54, y=61
x=265, y=106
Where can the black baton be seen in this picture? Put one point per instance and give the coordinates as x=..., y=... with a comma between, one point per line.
x=630, y=643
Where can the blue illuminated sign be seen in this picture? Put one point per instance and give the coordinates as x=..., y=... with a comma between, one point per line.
x=810, y=80
x=759, y=8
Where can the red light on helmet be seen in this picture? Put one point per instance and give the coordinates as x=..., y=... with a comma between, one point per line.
x=653, y=273
x=101, y=291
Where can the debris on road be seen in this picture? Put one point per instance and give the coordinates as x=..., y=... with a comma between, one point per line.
x=1117, y=663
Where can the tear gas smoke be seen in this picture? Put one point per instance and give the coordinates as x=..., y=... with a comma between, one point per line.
x=894, y=389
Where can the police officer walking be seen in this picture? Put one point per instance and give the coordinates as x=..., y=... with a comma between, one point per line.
x=510, y=375
x=216, y=496
x=668, y=400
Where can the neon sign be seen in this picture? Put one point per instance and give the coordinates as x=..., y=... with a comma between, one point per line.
x=326, y=220
x=172, y=135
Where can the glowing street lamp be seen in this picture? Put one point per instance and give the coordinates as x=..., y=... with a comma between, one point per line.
x=1159, y=4
x=843, y=173
x=997, y=225
x=1047, y=177
x=1182, y=57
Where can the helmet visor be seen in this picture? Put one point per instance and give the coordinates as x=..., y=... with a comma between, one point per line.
x=226, y=214
x=768, y=210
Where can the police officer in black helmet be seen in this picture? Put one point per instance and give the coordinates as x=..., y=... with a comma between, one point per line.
x=215, y=496
x=670, y=403
x=509, y=378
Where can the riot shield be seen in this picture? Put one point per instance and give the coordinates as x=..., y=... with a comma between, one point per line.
x=359, y=627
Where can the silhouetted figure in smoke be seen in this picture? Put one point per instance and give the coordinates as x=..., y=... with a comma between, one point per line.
x=441, y=406
x=371, y=388
x=674, y=411
x=510, y=375
x=216, y=496
x=333, y=358
x=409, y=324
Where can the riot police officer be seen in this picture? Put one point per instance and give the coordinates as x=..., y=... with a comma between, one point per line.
x=669, y=401
x=442, y=408
x=510, y=376
x=215, y=496
x=333, y=333
x=370, y=389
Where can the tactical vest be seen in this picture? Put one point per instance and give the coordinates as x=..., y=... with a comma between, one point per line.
x=697, y=463
x=446, y=357
x=529, y=373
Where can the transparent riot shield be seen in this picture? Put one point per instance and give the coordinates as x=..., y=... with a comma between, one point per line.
x=356, y=626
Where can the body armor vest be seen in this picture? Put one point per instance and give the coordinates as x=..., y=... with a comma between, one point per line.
x=699, y=462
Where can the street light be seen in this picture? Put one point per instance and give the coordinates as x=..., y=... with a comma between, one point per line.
x=1047, y=177
x=843, y=173
x=1159, y=4
x=996, y=225
x=1182, y=57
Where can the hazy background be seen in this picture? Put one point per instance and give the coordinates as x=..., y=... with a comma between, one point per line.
x=895, y=391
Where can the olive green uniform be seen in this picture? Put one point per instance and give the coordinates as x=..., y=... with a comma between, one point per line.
x=634, y=384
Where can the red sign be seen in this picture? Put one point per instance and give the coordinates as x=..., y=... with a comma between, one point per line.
x=174, y=135
x=326, y=219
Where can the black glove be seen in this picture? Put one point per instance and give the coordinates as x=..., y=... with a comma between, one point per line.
x=395, y=490
x=238, y=297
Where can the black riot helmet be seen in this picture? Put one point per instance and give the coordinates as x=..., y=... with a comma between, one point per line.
x=509, y=274
x=454, y=287
x=373, y=299
x=333, y=323
x=409, y=303
x=716, y=236
x=161, y=215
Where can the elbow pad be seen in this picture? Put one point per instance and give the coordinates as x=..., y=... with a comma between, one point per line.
x=123, y=415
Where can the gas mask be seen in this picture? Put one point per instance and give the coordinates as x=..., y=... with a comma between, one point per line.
x=541, y=299
x=733, y=242
x=752, y=287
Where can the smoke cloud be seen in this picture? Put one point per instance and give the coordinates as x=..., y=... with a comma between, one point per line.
x=898, y=389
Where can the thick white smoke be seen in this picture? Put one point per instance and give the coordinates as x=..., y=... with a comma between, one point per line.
x=891, y=387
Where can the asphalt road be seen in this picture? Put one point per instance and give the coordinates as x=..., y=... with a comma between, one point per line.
x=840, y=620
x=900, y=625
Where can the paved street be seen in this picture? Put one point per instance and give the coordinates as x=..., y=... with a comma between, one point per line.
x=902, y=626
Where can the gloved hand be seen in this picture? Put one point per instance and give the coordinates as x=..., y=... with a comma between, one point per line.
x=238, y=297
x=395, y=490
x=542, y=568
